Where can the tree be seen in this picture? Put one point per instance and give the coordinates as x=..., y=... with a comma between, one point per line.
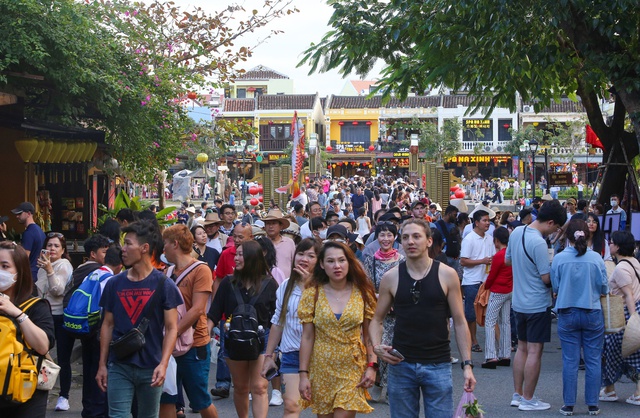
x=123, y=67
x=499, y=50
x=440, y=145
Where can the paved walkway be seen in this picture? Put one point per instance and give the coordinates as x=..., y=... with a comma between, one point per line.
x=494, y=391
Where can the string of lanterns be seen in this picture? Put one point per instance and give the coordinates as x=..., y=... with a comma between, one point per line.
x=34, y=150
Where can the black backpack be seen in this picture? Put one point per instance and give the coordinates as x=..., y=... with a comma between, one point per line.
x=244, y=341
x=451, y=239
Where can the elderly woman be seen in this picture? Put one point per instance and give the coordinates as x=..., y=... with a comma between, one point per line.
x=54, y=277
x=624, y=281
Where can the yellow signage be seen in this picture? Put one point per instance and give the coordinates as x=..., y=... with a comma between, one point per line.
x=477, y=123
x=276, y=157
x=478, y=159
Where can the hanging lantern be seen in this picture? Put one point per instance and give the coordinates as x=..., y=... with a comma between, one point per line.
x=369, y=123
x=38, y=152
x=254, y=201
x=354, y=123
x=260, y=199
x=192, y=95
x=341, y=123
x=459, y=194
x=260, y=189
x=506, y=126
x=371, y=147
x=202, y=158
x=329, y=148
x=333, y=165
x=26, y=148
x=253, y=190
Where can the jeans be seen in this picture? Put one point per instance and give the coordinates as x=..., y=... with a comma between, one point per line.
x=223, y=375
x=581, y=328
x=405, y=382
x=125, y=380
x=64, y=346
x=94, y=400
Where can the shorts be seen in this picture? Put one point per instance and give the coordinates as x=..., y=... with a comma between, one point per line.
x=470, y=291
x=534, y=327
x=193, y=374
x=264, y=341
x=290, y=362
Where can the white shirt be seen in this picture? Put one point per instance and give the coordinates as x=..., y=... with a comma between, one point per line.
x=305, y=230
x=475, y=247
x=292, y=328
x=469, y=228
x=215, y=244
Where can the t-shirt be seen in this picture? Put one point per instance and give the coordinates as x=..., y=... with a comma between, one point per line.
x=358, y=201
x=285, y=250
x=530, y=294
x=475, y=247
x=624, y=275
x=197, y=281
x=126, y=300
x=225, y=301
x=33, y=240
x=226, y=264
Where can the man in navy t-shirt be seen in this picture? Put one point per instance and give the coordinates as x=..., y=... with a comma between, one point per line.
x=124, y=300
x=33, y=237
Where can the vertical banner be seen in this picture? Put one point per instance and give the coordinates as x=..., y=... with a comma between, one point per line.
x=515, y=166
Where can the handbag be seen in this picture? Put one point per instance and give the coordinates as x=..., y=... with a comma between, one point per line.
x=184, y=342
x=613, y=310
x=480, y=304
x=48, y=372
x=133, y=341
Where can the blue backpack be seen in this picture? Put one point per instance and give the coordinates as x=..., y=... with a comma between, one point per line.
x=82, y=314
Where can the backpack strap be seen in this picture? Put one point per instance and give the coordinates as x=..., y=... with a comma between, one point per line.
x=632, y=266
x=28, y=303
x=151, y=305
x=524, y=247
x=185, y=272
x=254, y=299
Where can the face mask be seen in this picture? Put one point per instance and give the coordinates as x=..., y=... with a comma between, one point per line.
x=323, y=234
x=614, y=203
x=6, y=280
x=536, y=206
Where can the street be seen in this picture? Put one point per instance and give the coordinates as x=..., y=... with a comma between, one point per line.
x=494, y=390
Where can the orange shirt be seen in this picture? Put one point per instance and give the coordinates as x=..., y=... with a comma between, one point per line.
x=197, y=281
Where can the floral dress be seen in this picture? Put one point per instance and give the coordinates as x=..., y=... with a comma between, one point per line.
x=339, y=357
x=376, y=269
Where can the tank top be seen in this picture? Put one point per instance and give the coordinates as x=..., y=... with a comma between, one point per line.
x=363, y=228
x=419, y=341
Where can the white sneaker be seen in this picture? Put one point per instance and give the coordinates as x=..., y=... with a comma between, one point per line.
x=62, y=404
x=276, y=398
x=516, y=399
x=534, y=404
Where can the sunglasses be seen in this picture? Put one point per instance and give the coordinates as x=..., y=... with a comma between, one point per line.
x=415, y=291
x=55, y=235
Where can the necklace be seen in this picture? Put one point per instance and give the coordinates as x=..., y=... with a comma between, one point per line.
x=339, y=295
x=424, y=273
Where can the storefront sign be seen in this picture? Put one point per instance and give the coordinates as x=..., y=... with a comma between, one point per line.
x=401, y=154
x=479, y=159
x=477, y=123
x=276, y=157
x=351, y=147
x=560, y=179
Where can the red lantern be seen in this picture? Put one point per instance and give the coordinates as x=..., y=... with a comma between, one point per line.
x=260, y=189
x=506, y=126
x=192, y=95
x=459, y=194
x=454, y=188
x=371, y=147
x=369, y=123
x=261, y=199
x=254, y=202
x=329, y=148
x=355, y=122
x=341, y=123
x=253, y=190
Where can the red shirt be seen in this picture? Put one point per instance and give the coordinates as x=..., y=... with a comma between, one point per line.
x=226, y=264
x=500, y=279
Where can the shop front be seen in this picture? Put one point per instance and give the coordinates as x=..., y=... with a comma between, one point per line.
x=489, y=166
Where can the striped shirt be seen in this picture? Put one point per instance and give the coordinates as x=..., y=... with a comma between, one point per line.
x=292, y=332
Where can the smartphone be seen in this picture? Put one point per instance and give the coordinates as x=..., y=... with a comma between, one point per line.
x=44, y=253
x=396, y=353
x=271, y=373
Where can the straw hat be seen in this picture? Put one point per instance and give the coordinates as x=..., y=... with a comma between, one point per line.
x=460, y=204
x=546, y=198
x=191, y=210
x=211, y=219
x=276, y=215
x=256, y=230
x=631, y=339
x=480, y=206
x=293, y=230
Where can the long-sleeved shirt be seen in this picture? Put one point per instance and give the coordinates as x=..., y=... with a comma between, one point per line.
x=578, y=281
x=53, y=286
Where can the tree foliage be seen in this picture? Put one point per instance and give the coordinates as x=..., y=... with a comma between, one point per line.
x=440, y=145
x=124, y=67
x=497, y=50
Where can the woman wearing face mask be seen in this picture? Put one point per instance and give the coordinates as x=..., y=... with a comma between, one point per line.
x=286, y=329
x=54, y=276
x=376, y=266
x=35, y=323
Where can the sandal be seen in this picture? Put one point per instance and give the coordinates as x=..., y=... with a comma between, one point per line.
x=633, y=400
x=609, y=396
x=476, y=348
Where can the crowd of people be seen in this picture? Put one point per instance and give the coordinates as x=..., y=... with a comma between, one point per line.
x=319, y=300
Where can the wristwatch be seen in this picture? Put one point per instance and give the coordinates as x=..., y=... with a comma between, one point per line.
x=466, y=363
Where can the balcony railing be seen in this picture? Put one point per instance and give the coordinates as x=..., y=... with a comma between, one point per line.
x=274, y=144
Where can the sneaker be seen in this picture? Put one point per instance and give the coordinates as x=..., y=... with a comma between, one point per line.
x=62, y=404
x=250, y=397
x=567, y=411
x=534, y=404
x=594, y=410
x=220, y=392
x=516, y=399
x=276, y=398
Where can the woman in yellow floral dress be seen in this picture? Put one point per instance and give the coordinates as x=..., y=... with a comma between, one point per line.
x=335, y=367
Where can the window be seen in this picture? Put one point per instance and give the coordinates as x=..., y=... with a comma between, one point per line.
x=355, y=133
x=242, y=93
x=504, y=125
x=280, y=131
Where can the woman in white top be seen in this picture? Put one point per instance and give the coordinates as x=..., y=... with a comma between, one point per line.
x=364, y=223
x=54, y=277
x=286, y=328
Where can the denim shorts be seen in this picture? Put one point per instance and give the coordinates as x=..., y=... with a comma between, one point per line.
x=290, y=362
x=470, y=292
x=534, y=327
x=193, y=373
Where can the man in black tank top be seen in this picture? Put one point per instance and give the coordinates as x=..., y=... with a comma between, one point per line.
x=420, y=356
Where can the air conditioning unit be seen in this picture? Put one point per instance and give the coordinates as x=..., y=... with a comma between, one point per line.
x=500, y=149
x=527, y=109
x=488, y=148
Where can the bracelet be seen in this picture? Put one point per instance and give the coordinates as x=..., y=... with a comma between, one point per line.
x=19, y=315
x=303, y=371
x=23, y=318
x=373, y=365
x=269, y=355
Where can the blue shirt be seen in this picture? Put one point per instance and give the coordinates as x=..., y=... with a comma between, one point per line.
x=530, y=294
x=578, y=281
x=33, y=241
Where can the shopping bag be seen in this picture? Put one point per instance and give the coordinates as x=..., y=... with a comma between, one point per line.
x=468, y=407
x=170, y=386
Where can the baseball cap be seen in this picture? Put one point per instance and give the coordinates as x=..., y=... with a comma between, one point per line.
x=337, y=229
x=416, y=203
x=24, y=207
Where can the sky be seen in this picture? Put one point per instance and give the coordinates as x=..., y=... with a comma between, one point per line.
x=283, y=52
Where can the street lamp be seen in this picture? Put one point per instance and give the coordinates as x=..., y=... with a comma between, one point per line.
x=313, y=151
x=242, y=148
x=523, y=151
x=533, y=147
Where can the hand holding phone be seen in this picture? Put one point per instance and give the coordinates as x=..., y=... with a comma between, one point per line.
x=396, y=353
x=271, y=373
x=44, y=254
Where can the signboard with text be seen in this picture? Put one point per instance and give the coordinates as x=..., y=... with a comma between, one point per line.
x=479, y=159
x=560, y=179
